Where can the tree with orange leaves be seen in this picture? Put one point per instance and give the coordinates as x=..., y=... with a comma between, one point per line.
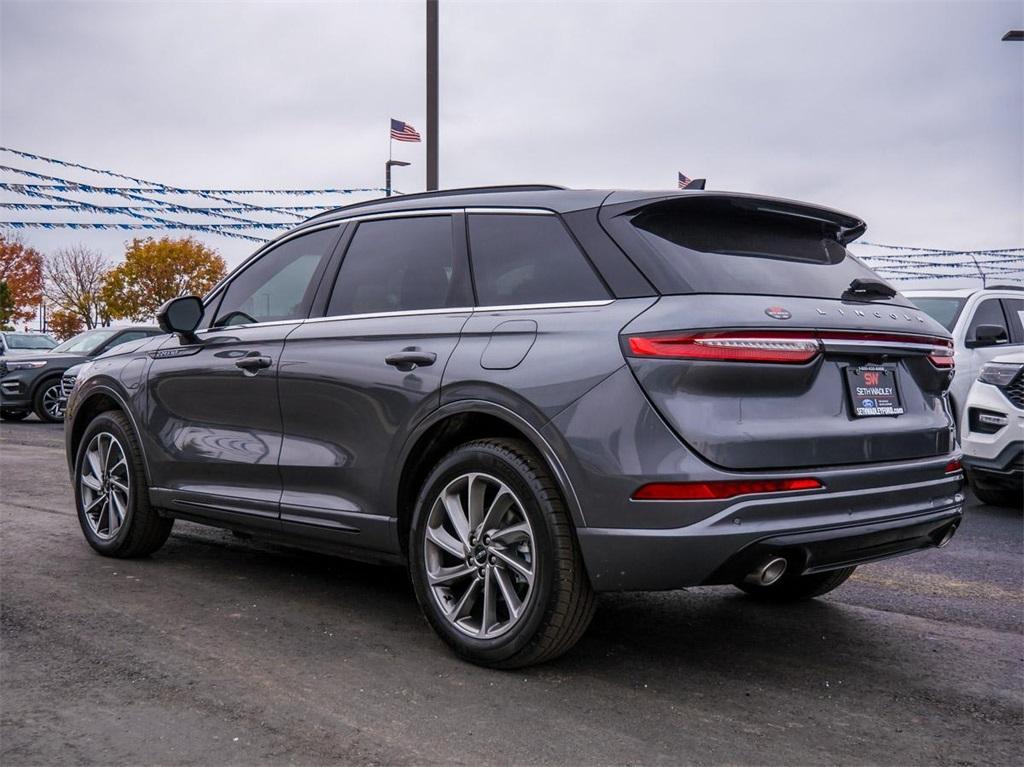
x=21, y=267
x=155, y=271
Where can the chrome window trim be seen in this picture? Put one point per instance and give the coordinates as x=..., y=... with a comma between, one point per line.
x=382, y=315
x=222, y=328
x=554, y=305
x=455, y=310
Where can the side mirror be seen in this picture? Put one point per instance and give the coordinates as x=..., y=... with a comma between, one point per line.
x=181, y=316
x=988, y=335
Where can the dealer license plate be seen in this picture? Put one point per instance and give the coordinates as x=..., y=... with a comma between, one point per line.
x=873, y=391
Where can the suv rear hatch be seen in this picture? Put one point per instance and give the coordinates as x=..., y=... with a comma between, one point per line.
x=772, y=346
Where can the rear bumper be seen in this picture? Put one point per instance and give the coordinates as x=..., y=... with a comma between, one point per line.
x=818, y=533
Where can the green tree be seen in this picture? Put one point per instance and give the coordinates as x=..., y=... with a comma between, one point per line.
x=155, y=271
x=7, y=306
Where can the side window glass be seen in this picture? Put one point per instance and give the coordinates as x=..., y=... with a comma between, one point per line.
x=989, y=312
x=124, y=338
x=279, y=285
x=399, y=264
x=528, y=259
x=1014, y=308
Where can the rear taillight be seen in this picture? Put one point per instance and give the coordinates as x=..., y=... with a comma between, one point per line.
x=725, y=346
x=954, y=466
x=793, y=346
x=710, y=491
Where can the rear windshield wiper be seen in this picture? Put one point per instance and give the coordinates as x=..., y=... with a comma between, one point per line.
x=863, y=288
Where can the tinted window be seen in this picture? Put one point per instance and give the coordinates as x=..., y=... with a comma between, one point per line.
x=279, y=285
x=715, y=247
x=399, y=264
x=1014, y=308
x=528, y=259
x=133, y=335
x=989, y=312
x=942, y=309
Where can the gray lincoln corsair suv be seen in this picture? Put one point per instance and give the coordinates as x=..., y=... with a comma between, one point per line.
x=533, y=394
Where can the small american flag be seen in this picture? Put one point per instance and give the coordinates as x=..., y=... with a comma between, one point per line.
x=401, y=131
x=684, y=180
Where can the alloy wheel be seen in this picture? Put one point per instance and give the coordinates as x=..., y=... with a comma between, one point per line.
x=105, y=485
x=480, y=555
x=51, y=402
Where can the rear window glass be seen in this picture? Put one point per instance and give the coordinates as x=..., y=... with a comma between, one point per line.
x=714, y=247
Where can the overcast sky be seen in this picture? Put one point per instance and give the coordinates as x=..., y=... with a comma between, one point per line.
x=909, y=114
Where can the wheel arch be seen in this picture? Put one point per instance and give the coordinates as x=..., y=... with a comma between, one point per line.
x=453, y=425
x=100, y=398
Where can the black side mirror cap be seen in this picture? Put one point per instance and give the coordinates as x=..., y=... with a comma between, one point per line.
x=182, y=316
x=987, y=335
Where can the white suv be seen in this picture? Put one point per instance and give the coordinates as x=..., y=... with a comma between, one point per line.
x=992, y=432
x=984, y=322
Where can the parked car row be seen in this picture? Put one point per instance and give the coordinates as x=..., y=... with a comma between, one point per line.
x=31, y=382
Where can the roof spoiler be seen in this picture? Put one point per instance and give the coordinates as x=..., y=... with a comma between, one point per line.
x=848, y=227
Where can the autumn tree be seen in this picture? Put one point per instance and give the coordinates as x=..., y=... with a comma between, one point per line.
x=65, y=324
x=74, y=279
x=21, y=267
x=155, y=271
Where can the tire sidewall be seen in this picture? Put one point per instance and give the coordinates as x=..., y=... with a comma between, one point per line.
x=107, y=423
x=484, y=458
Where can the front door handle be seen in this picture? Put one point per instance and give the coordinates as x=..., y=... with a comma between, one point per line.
x=410, y=359
x=253, y=362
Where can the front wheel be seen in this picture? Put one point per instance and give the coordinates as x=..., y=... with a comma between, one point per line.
x=47, y=402
x=794, y=588
x=494, y=560
x=111, y=493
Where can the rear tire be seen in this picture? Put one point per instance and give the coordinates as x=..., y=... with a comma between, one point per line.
x=46, y=402
x=111, y=492
x=516, y=544
x=794, y=588
x=13, y=415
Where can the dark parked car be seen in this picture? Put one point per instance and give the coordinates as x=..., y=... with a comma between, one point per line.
x=31, y=382
x=533, y=394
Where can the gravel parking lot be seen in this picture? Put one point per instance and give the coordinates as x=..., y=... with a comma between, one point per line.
x=219, y=650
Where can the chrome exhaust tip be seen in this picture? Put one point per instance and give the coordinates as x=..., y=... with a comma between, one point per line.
x=768, y=572
x=947, y=536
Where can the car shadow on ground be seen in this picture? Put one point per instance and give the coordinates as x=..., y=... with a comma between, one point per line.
x=689, y=637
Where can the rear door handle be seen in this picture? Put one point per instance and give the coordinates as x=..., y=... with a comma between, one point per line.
x=410, y=359
x=253, y=362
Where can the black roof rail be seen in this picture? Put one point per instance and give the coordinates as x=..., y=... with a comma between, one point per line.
x=1004, y=287
x=443, y=193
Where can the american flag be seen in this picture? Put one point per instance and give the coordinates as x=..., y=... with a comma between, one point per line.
x=401, y=131
x=684, y=180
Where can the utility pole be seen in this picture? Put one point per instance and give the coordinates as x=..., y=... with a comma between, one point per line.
x=431, y=95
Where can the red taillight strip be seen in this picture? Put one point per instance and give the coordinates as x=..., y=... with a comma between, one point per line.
x=954, y=466
x=711, y=491
x=779, y=346
x=740, y=347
